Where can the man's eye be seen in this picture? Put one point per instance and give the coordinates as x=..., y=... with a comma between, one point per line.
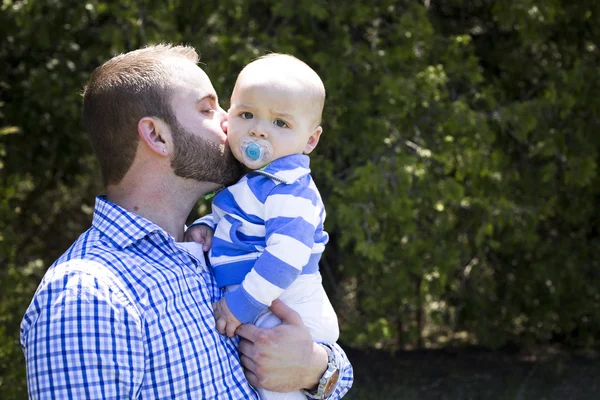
x=246, y=115
x=280, y=123
x=208, y=111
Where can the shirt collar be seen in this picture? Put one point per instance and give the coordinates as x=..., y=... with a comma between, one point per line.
x=287, y=169
x=121, y=226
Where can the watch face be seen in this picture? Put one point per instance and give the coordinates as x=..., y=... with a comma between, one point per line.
x=330, y=386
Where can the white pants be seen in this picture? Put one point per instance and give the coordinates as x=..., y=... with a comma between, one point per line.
x=308, y=298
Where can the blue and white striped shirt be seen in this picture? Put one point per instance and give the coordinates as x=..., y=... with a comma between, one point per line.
x=127, y=313
x=268, y=230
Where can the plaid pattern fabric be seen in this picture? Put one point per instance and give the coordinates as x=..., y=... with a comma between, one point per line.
x=126, y=313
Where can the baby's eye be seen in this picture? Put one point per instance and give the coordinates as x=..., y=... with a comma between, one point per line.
x=246, y=115
x=280, y=123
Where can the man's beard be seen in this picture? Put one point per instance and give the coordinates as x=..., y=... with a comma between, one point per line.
x=199, y=159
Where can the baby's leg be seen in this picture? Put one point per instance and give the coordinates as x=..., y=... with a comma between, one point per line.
x=268, y=320
x=307, y=297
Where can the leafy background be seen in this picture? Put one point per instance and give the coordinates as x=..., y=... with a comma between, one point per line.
x=459, y=162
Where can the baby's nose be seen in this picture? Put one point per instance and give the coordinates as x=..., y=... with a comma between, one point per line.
x=259, y=132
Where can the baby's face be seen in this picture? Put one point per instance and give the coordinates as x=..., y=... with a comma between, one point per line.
x=276, y=116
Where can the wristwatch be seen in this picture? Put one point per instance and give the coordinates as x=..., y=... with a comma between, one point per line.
x=328, y=381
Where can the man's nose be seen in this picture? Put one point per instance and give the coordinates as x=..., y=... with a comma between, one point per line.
x=223, y=119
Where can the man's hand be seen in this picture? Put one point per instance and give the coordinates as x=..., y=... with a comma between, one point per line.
x=200, y=234
x=226, y=322
x=283, y=358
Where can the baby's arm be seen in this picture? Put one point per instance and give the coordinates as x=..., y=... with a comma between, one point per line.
x=225, y=321
x=200, y=234
x=201, y=231
x=290, y=219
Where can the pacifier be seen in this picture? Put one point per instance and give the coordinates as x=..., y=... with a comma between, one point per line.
x=255, y=153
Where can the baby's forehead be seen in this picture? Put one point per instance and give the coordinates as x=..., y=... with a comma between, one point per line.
x=286, y=78
x=272, y=94
x=275, y=84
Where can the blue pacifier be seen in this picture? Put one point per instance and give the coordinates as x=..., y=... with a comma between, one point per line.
x=254, y=151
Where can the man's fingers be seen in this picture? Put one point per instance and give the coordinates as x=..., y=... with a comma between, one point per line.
x=245, y=346
x=252, y=378
x=249, y=331
x=285, y=313
x=250, y=367
x=248, y=363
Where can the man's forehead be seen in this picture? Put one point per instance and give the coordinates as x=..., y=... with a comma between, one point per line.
x=193, y=83
x=186, y=71
x=184, y=93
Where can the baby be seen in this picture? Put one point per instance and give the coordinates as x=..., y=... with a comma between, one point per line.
x=268, y=228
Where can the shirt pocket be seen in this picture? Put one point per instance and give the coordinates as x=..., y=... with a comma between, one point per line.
x=239, y=240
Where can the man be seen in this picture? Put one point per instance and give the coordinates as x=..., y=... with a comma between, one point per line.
x=126, y=312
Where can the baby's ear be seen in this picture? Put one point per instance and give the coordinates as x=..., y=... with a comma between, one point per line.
x=313, y=140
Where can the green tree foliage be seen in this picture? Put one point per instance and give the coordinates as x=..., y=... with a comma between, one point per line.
x=459, y=161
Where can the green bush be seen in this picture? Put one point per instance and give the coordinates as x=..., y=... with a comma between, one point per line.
x=459, y=163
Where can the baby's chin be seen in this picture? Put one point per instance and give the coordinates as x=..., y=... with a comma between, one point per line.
x=242, y=162
x=252, y=167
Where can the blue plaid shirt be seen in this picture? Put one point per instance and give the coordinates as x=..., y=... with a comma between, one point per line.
x=127, y=313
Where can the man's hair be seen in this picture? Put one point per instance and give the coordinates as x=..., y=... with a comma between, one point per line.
x=302, y=72
x=122, y=91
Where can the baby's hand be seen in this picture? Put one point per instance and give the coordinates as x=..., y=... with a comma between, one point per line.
x=226, y=322
x=200, y=234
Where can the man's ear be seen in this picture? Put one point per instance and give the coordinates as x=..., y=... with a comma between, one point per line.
x=156, y=135
x=313, y=140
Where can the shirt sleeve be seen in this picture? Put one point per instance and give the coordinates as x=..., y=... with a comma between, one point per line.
x=82, y=340
x=208, y=220
x=291, y=219
x=346, y=372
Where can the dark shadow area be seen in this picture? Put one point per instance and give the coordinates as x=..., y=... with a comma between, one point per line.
x=474, y=374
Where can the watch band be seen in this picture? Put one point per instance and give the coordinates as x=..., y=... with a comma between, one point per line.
x=328, y=381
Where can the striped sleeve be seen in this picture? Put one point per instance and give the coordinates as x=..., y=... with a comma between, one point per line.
x=292, y=215
x=208, y=220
